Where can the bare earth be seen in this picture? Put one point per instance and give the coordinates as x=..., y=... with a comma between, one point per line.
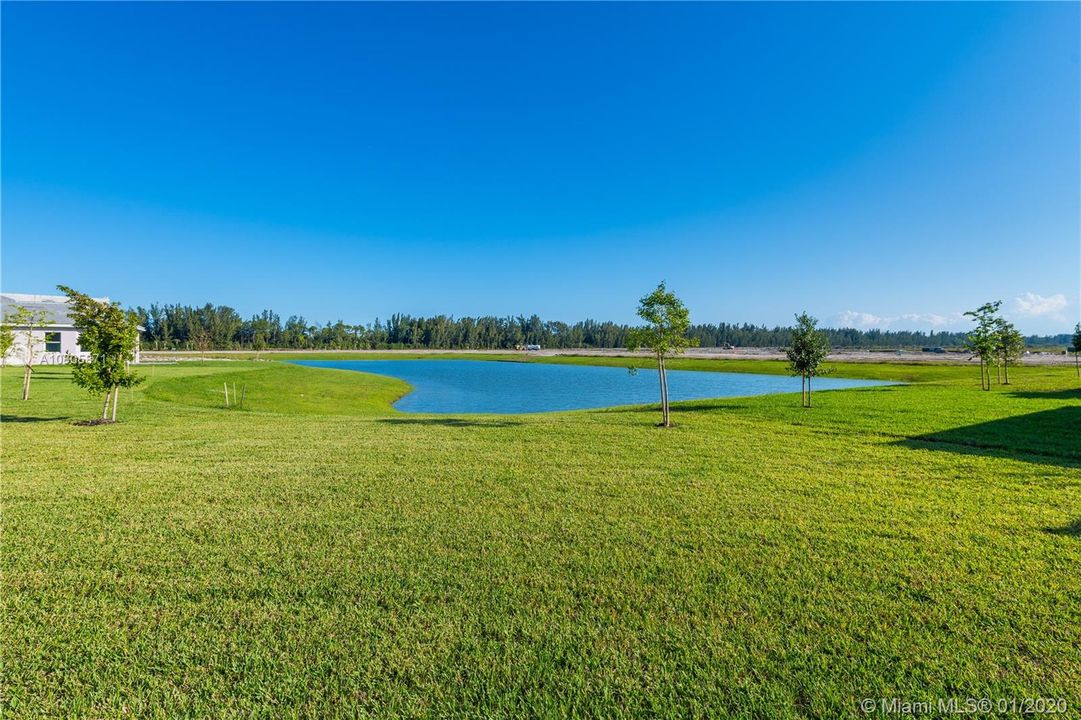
x=883, y=356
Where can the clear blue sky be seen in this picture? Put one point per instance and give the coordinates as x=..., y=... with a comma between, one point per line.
x=882, y=165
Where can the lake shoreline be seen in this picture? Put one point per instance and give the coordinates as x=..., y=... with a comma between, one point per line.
x=474, y=386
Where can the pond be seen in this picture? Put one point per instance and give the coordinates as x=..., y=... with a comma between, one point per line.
x=490, y=386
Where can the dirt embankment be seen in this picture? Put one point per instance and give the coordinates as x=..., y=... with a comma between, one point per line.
x=871, y=356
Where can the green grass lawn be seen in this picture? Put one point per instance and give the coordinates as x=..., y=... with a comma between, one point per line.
x=317, y=554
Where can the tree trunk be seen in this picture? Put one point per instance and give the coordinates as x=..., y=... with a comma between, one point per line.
x=28, y=368
x=105, y=410
x=1006, y=370
x=668, y=402
x=660, y=384
x=667, y=407
x=665, y=411
x=802, y=390
x=116, y=400
x=808, y=390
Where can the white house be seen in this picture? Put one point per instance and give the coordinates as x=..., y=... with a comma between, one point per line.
x=56, y=341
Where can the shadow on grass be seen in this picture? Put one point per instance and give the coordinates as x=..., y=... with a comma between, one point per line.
x=1070, y=394
x=705, y=407
x=30, y=418
x=451, y=422
x=677, y=407
x=1047, y=437
x=1072, y=529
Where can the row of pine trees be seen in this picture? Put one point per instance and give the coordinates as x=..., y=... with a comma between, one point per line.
x=219, y=327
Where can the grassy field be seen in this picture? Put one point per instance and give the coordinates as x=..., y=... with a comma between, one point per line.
x=317, y=554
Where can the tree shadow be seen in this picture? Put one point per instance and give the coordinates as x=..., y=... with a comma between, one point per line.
x=31, y=418
x=1048, y=437
x=677, y=407
x=451, y=422
x=1069, y=394
x=1072, y=529
x=706, y=407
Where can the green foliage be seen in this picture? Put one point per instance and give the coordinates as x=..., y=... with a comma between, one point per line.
x=1009, y=345
x=665, y=335
x=983, y=340
x=668, y=321
x=7, y=340
x=995, y=341
x=902, y=541
x=110, y=336
x=24, y=317
x=220, y=327
x=27, y=321
x=809, y=348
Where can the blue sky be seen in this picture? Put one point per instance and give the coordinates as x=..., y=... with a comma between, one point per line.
x=879, y=165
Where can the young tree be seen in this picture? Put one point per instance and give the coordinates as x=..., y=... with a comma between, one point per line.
x=110, y=335
x=28, y=321
x=809, y=348
x=7, y=340
x=982, y=341
x=1010, y=345
x=665, y=335
x=1077, y=348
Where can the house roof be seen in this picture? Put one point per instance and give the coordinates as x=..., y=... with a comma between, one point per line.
x=55, y=305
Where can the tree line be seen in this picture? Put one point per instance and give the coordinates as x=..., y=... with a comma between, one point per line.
x=219, y=327
x=109, y=335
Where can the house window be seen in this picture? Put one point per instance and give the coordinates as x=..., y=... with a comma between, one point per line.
x=52, y=342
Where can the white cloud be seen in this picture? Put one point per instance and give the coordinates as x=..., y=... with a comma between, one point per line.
x=851, y=318
x=932, y=319
x=854, y=319
x=1035, y=305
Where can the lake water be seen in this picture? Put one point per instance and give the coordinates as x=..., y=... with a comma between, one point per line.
x=489, y=386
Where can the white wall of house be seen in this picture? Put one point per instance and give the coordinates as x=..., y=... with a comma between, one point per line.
x=55, y=343
x=52, y=346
